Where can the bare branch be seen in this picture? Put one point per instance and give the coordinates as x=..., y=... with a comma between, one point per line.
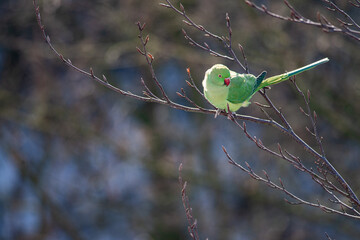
x=329, y=166
x=287, y=129
x=282, y=188
x=321, y=22
x=312, y=117
x=205, y=47
x=192, y=223
x=225, y=41
x=347, y=16
x=149, y=97
x=325, y=166
x=328, y=237
x=149, y=58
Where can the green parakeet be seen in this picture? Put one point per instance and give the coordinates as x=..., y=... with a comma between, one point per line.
x=224, y=87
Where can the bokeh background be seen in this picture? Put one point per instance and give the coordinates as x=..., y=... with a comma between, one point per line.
x=78, y=161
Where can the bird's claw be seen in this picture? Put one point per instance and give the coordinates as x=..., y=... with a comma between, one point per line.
x=230, y=114
x=218, y=111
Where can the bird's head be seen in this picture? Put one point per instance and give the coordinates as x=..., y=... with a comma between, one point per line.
x=219, y=75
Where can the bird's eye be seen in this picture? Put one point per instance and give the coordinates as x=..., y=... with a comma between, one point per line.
x=219, y=76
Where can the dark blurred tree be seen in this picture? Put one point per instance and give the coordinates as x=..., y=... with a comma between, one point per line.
x=78, y=161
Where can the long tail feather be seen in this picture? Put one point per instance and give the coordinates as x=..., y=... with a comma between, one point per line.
x=283, y=77
x=307, y=67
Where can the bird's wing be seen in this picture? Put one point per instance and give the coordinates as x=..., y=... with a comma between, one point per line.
x=241, y=88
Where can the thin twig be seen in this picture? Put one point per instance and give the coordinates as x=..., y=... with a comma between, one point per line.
x=149, y=58
x=321, y=22
x=190, y=22
x=282, y=188
x=192, y=223
x=322, y=181
x=309, y=149
x=151, y=97
x=347, y=16
x=328, y=237
x=312, y=117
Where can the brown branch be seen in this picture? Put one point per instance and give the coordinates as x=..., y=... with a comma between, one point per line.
x=149, y=59
x=205, y=47
x=296, y=162
x=247, y=70
x=151, y=97
x=276, y=110
x=287, y=129
x=328, y=237
x=329, y=166
x=148, y=97
x=192, y=223
x=225, y=41
x=321, y=22
x=183, y=95
x=347, y=16
x=357, y=4
x=312, y=117
x=282, y=188
x=352, y=196
x=193, y=85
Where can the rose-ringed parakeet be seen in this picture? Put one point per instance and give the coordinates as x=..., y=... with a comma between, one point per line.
x=224, y=87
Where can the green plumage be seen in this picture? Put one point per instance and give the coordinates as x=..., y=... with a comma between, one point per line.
x=241, y=86
x=223, y=87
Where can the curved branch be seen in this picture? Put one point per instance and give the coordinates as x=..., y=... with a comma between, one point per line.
x=147, y=97
x=225, y=41
x=285, y=127
x=282, y=188
x=321, y=22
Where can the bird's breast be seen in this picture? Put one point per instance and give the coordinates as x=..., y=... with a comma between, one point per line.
x=217, y=95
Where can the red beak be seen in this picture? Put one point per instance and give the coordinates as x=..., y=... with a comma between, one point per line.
x=227, y=81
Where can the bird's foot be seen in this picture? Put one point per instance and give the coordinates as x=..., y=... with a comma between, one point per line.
x=230, y=114
x=218, y=111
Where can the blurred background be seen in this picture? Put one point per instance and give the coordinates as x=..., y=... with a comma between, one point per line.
x=78, y=161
